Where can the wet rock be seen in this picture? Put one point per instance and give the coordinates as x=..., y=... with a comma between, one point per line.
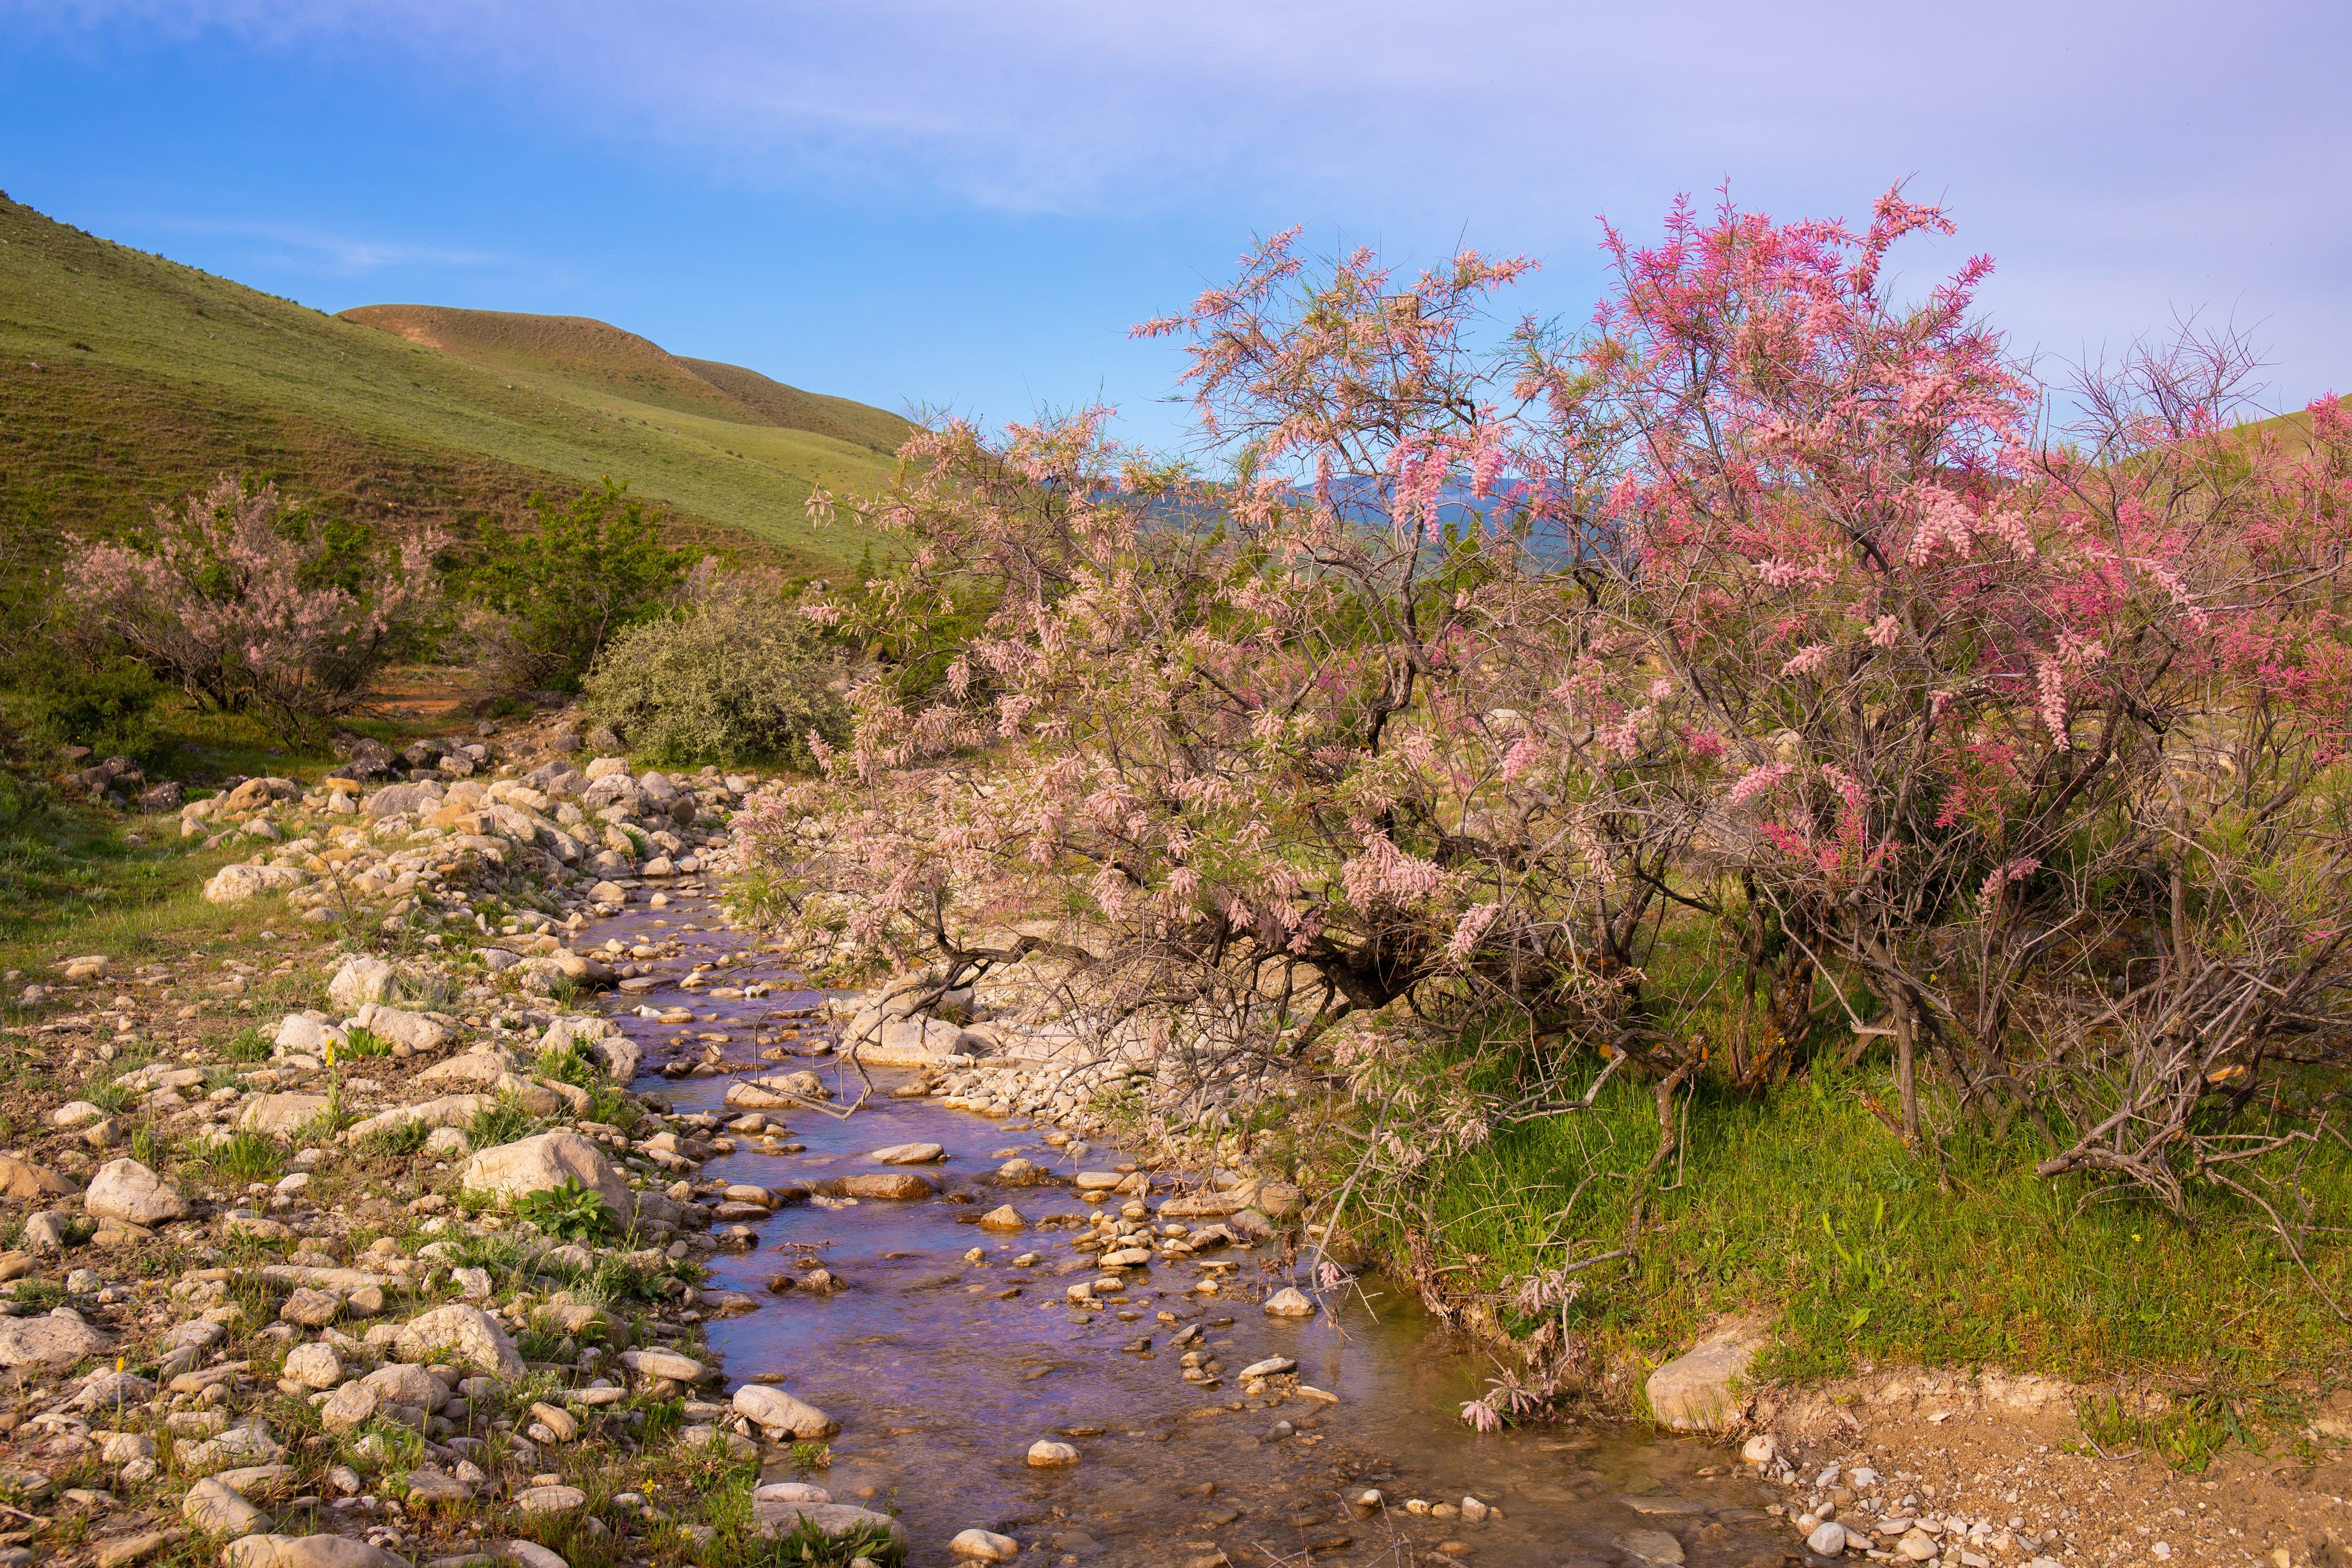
x=464, y=1334
x=1650, y=1546
x=909, y=1153
x=216, y=1509
x=901, y=1186
x=128, y=1190
x=1002, y=1217
x=1289, y=1302
x=546, y=1163
x=1698, y=1391
x=775, y=1412
x=1272, y=1366
x=1048, y=1455
x=983, y=1546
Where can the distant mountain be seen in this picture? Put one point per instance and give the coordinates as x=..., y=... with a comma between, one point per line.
x=126, y=379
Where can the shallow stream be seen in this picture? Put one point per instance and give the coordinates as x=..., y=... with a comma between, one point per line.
x=943, y=1371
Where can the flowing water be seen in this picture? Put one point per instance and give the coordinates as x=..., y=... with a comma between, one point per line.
x=943, y=1371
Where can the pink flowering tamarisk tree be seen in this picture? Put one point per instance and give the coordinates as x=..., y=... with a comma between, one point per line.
x=248, y=604
x=1471, y=653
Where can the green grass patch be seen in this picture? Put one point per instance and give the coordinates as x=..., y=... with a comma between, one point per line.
x=247, y=1157
x=1801, y=1206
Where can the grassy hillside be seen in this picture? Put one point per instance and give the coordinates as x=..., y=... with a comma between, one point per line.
x=126, y=379
x=591, y=360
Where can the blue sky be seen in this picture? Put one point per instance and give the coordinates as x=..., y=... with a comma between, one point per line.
x=969, y=204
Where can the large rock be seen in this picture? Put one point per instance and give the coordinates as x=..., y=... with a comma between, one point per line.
x=983, y=1546
x=216, y=1509
x=280, y=1115
x=128, y=1190
x=777, y=1089
x=413, y=1030
x=1289, y=1302
x=482, y=1067
x=463, y=1333
x=48, y=1341
x=348, y=1409
x=913, y=1042
x=544, y=1163
x=305, y=1551
x=1699, y=1391
x=25, y=1182
x=360, y=981
x=314, y=1365
x=778, y=1517
x=235, y=884
x=909, y=1153
x=775, y=1412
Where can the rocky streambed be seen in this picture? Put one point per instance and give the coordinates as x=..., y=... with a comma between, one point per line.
x=1008, y=1348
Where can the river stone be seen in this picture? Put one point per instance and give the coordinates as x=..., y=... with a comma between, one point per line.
x=217, y=1510
x=898, y=1185
x=790, y=1491
x=778, y=1518
x=550, y=1500
x=1652, y=1546
x=1047, y=1455
x=530, y=1554
x=908, y=1153
x=1828, y=1539
x=25, y=1182
x=48, y=1341
x=128, y=1190
x=76, y=1113
x=305, y=1551
x=1272, y=1366
x=1698, y=1391
x=1289, y=1302
x=665, y=1364
x=265, y=1481
x=984, y=1546
x=314, y=1366
x=544, y=1163
x=476, y=1341
x=1002, y=1217
x=1098, y=1181
x=773, y=1410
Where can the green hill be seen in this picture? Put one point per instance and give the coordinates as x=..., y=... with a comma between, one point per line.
x=126, y=379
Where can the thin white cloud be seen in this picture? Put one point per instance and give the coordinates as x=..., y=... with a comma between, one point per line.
x=332, y=254
x=2125, y=161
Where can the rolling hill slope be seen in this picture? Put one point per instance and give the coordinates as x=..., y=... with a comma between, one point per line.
x=126, y=379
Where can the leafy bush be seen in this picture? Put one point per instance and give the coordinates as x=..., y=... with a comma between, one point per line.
x=554, y=594
x=368, y=1043
x=250, y=604
x=571, y=1212
x=741, y=672
x=568, y=1066
x=109, y=708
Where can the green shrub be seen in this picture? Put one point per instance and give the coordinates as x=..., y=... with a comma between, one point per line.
x=394, y=1142
x=111, y=709
x=247, y=1157
x=740, y=673
x=247, y=1044
x=559, y=590
x=368, y=1043
x=570, y=1213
